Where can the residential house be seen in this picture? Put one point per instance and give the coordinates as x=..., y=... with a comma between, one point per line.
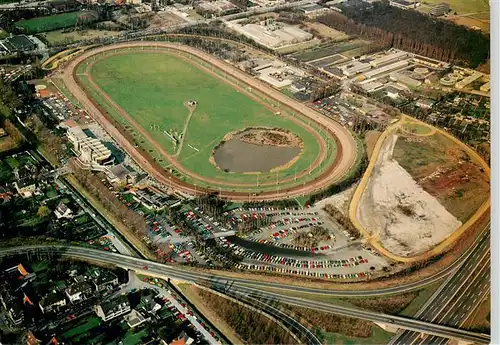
x=112, y=309
x=103, y=280
x=31, y=339
x=183, y=339
x=13, y=308
x=424, y=103
x=26, y=187
x=79, y=291
x=148, y=304
x=63, y=211
x=52, y=301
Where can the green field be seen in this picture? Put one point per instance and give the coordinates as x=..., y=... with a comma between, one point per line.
x=58, y=21
x=155, y=97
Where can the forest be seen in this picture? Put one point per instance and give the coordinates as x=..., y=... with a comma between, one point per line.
x=411, y=31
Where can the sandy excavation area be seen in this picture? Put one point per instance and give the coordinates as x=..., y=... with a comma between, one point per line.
x=406, y=219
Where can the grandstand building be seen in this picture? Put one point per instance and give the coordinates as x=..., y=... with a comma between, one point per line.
x=89, y=150
x=15, y=44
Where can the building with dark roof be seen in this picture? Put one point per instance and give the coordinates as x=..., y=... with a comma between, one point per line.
x=103, y=279
x=404, y=4
x=113, y=308
x=52, y=301
x=440, y=9
x=79, y=291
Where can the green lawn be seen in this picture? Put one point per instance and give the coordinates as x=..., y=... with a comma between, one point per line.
x=58, y=21
x=132, y=338
x=82, y=328
x=154, y=97
x=462, y=6
x=417, y=128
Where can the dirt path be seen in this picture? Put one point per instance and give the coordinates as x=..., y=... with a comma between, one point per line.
x=346, y=145
x=184, y=131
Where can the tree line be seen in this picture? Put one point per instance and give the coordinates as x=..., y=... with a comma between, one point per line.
x=108, y=200
x=411, y=31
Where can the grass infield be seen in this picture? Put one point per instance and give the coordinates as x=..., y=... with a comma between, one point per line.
x=152, y=88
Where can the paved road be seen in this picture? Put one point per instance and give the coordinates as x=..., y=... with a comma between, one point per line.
x=179, y=273
x=457, y=298
x=347, y=149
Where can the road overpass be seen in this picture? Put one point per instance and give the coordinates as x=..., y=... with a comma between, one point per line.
x=243, y=287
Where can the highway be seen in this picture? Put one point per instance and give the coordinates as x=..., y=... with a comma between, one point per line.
x=457, y=298
x=169, y=271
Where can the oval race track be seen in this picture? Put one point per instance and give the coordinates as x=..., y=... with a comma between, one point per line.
x=346, y=144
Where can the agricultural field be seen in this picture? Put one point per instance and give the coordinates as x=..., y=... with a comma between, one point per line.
x=346, y=48
x=151, y=104
x=55, y=22
x=462, y=6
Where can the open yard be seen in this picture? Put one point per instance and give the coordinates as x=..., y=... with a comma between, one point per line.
x=445, y=171
x=58, y=21
x=59, y=37
x=462, y=6
x=154, y=98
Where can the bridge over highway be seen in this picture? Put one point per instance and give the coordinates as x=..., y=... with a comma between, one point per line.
x=247, y=287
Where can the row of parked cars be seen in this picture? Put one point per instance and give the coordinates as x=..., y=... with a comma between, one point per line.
x=287, y=261
x=295, y=247
x=359, y=275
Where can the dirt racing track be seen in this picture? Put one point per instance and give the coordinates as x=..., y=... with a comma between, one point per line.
x=346, y=144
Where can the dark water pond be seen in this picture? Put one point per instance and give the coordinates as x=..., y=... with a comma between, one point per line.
x=240, y=157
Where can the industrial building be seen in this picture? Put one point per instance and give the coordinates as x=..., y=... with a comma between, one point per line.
x=272, y=34
x=405, y=5
x=313, y=9
x=388, y=58
x=354, y=68
x=387, y=68
x=485, y=87
x=89, y=150
x=217, y=8
x=440, y=9
x=404, y=79
x=466, y=81
x=19, y=43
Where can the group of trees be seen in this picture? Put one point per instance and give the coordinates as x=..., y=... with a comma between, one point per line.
x=411, y=31
x=343, y=220
x=51, y=142
x=245, y=321
x=329, y=88
x=108, y=199
x=8, y=100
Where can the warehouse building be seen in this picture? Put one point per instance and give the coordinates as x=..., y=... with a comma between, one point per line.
x=354, y=68
x=466, y=81
x=405, y=5
x=89, y=150
x=440, y=9
x=485, y=87
x=272, y=34
x=388, y=58
x=385, y=69
x=404, y=79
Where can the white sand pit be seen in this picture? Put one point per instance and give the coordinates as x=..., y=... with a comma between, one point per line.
x=406, y=219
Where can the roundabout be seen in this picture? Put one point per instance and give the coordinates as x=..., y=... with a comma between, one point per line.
x=198, y=124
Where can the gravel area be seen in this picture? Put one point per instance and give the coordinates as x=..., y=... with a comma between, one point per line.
x=407, y=219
